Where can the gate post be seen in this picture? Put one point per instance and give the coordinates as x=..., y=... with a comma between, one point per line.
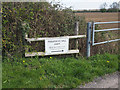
x=88, y=38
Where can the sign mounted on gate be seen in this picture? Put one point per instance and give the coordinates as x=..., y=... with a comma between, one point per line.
x=56, y=45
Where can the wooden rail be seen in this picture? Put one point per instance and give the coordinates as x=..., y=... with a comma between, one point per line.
x=29, y=54
x=44, y=38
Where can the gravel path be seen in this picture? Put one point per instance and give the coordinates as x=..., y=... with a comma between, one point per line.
x=107, y=81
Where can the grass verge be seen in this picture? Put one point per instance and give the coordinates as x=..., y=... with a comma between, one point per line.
x=55, y=72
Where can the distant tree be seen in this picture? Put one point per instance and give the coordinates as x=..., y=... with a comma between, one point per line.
x=119, y=5
x=114, y=7
x=103, y=7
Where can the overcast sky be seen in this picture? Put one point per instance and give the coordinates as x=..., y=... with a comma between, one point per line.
x=84, y=4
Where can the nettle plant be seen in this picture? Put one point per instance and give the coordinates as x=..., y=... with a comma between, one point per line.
x=39, y=19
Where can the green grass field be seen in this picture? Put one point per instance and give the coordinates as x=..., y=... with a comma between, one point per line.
x=55, y=72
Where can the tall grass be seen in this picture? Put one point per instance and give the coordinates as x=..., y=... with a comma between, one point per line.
x=56, y=72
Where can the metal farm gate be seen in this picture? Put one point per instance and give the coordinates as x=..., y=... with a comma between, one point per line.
x=91, y=27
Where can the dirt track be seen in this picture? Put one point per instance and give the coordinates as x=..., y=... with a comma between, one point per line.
x=107, y=81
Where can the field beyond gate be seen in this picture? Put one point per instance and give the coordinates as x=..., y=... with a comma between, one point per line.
x=100, y=17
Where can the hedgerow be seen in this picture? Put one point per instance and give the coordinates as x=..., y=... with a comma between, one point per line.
x=39, y=19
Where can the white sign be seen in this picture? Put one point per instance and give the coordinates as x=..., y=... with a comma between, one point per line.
x=56, y=45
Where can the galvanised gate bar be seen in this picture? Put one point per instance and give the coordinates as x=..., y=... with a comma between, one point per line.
x=94, y=31
x=91, y=27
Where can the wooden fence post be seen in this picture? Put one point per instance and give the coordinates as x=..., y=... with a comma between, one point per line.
x=26, y=48
x=76, y=33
